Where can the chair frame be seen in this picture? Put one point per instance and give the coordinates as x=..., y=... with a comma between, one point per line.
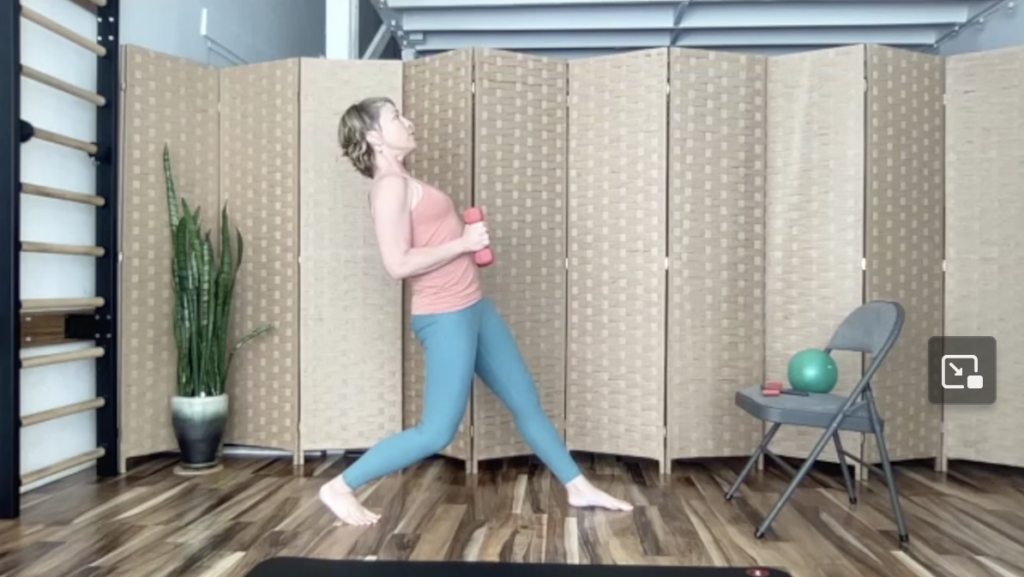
x=861, y=395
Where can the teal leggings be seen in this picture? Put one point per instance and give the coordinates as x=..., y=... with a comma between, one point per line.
x=456, y=345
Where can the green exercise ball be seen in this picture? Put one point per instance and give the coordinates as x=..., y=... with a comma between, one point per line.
x=813, y=371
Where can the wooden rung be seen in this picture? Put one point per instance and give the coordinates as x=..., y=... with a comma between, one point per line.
x=44, y=360
x=62, y=140
x=69, y=34
x=62, y=85
x=60, y=412
x=71, y=249
x=41, y=305
x=100, y=3
x=61, y=466
x=89, y=5
x=50, y=192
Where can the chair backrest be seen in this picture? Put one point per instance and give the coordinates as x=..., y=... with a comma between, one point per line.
x=871, y=328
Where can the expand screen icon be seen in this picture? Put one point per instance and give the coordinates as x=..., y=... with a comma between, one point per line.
x=962, y=370
x=951, y=371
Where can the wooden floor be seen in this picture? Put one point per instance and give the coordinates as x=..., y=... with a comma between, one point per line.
x=153, y=523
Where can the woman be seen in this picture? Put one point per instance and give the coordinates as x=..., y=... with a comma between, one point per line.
x=422, y=238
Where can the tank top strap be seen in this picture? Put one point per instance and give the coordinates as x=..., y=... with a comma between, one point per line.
x=417, y=191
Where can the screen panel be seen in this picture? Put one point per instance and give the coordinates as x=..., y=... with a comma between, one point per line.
x=815, y=217
x=260, y=185
x=351, y=311
x=438, y=99
x=618, y=166
x=716, y=249
x=173, y=101
x=520, y=183
x=904, y=244
x=984, y=269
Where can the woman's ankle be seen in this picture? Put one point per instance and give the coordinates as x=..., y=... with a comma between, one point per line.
x=577, y=483
x=339, y=485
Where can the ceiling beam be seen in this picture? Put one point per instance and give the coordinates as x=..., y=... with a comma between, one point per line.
x=896, y=36
x=432, y=4
x=571, y=54
x=428, y=4
x=686, y=16
x=556, y=17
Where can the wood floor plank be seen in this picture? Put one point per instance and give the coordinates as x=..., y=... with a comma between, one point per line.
x=19, y=561
x=910, y=563
x=969, y=521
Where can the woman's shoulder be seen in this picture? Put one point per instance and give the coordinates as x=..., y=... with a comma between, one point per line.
x=390, y=180
x=390, y=185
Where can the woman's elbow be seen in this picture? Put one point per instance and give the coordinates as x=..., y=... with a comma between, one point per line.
x=396, y=271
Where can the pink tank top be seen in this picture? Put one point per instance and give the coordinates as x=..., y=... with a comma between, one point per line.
x=454, y=285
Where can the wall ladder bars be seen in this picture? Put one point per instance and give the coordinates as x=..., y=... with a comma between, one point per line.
x=74, y=319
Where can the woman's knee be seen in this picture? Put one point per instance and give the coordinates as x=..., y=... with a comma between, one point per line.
x=434, y=438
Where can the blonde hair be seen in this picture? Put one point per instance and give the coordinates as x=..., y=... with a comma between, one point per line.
x=359, y=119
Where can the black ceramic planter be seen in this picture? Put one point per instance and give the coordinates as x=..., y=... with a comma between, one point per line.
x=199, y=427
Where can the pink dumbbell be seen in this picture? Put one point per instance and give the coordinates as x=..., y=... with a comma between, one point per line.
x=484, y=256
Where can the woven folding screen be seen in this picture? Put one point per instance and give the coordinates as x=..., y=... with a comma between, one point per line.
x=984, y=236
x=710, y=232
x=438, y=99
x=904, y=237
x=173, y=101
x=618, y=165
x=815, y=216
x=259, y=137
x=351, y=311
x=519, y=181
x=716, y=249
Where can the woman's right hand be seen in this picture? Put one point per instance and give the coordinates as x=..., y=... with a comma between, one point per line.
x=475, y=237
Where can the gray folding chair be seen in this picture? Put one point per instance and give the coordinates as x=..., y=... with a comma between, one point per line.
x=871, y=328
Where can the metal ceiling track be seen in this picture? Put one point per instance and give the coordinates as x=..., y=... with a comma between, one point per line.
x=589, y=27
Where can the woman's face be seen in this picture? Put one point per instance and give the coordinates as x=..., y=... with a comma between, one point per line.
x=396, y=132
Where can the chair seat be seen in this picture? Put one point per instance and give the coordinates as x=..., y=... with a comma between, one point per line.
x=815, y=410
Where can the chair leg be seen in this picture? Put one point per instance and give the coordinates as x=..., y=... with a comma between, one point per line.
x=804, y=469
x=890, y=476
x=846, y=469
x=752, y=461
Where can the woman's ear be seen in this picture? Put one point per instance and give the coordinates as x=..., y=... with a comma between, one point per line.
x=374, y=138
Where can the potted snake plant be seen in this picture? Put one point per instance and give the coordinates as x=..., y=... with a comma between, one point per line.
x=204, y=283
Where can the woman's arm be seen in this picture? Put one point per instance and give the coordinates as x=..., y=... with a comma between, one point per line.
x=391, y=209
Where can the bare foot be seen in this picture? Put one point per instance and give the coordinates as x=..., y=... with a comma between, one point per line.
x=583, y=494
x=340, y=499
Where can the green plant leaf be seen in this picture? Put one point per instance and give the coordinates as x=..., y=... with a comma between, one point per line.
x=186, y=311
x=203, y=294
x=259, y=330
x=224, y=292
x=206, y=303
x=172, y=197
